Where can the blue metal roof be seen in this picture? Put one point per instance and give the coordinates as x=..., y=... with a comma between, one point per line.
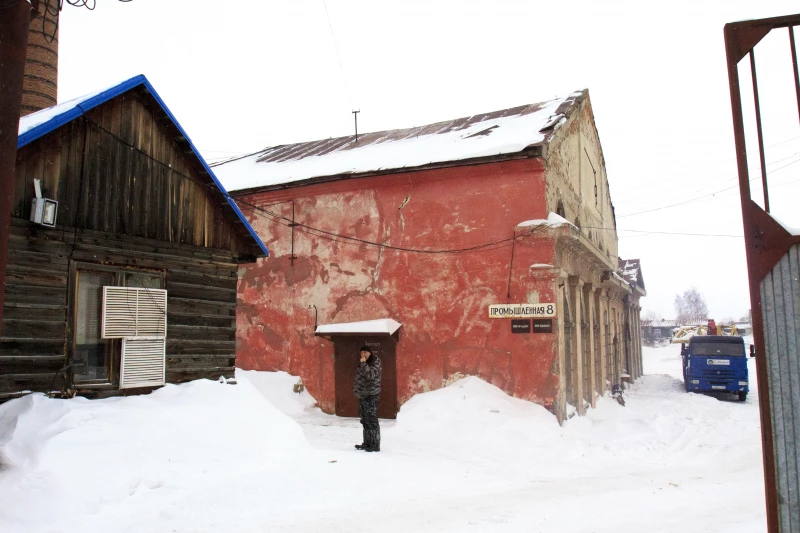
x=42, y=122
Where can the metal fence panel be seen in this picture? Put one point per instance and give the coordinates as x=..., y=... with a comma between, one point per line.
x=780, y=296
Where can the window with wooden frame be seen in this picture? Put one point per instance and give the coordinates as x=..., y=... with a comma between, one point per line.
x=96, y=361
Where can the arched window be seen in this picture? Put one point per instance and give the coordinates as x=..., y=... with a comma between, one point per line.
x=560, y=209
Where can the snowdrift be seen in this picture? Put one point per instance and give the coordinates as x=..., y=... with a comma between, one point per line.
x=59, y=456
x=206, y=456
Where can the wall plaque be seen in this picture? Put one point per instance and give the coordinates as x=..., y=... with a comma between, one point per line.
x=520, y=325
x=543, y=325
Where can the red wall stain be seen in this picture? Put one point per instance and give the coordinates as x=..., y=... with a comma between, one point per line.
x=441, y=299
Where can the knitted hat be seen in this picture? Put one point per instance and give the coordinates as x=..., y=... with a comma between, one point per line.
x=365, y=348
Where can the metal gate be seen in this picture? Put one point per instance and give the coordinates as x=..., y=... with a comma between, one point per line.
x=773, y=271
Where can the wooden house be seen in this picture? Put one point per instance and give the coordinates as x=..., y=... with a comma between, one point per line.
x=127, y=279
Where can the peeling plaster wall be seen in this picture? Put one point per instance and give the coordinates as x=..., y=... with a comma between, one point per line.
x=575, y=164
x=441, y=299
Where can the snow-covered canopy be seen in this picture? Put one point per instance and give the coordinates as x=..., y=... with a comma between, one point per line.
x=553, y=220
x=383, y=326
x=491, y=134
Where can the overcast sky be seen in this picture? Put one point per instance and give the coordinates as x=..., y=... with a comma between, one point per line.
x=240, y=76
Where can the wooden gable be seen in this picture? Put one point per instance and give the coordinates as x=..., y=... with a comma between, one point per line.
x=124, y=168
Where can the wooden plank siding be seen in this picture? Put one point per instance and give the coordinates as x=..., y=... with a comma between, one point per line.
x=201, y=304
x=123, y=168
x=131, y=194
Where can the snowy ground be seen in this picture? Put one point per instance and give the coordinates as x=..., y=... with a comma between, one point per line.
x=211, y=457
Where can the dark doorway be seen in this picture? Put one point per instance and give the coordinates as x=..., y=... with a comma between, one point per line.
x=346, y=350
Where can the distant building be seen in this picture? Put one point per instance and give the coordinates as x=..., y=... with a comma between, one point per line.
x=652, y=330
x=481, y=246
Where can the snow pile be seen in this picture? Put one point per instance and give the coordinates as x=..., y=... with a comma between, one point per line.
x=204, y=456
x=278, y=389
x=66, y=460
x=475, y=419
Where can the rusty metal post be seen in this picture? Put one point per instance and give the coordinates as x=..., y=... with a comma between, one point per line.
x=766, y=243
x=793, y=48
x=759, y=131
x=15, y=19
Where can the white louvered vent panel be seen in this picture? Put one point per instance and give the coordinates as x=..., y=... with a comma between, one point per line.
x=143, y=363
x=134, y=312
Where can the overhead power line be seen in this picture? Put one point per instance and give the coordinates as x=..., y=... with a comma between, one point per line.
x=703, y=196
x=53, y=7
x=348, y=239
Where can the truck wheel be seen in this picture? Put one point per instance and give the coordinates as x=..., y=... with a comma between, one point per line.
x=742, y=396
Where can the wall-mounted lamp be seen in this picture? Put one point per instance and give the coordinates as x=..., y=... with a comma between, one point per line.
x=43, y=210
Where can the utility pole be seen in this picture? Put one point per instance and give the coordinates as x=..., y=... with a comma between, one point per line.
x=15, y=19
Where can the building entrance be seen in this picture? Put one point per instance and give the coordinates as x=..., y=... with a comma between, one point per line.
x=346, y=353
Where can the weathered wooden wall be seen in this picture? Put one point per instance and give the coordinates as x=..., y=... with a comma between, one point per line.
x=124, y=168
x=131, y=193
x=201, y=306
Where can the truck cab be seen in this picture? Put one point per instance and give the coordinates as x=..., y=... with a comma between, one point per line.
x=715, y=363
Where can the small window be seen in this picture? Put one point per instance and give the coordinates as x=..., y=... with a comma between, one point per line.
x=91, y=358
x=94, y=360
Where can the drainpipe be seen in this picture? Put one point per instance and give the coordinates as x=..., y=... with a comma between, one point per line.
x=15, y=19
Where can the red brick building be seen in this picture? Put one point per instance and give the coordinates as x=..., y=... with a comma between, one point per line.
x=429, y=227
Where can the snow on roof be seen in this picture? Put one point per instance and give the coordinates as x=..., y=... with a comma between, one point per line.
x=791, y=229
x=502, y=132
x=631, y=271
x=384, y=326
x=553, y=220
x=671, y=323
x=29, y=123
x=618, y=277
x=40, y=123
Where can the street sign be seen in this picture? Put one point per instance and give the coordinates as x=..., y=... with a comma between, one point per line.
x=522, y=310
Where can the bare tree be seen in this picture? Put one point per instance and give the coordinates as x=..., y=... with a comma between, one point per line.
x=652, y=316
x=691, y=307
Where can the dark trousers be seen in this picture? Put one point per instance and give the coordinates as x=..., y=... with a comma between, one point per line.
x=368, y=409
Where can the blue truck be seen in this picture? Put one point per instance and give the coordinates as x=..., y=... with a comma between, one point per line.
x=715, y=363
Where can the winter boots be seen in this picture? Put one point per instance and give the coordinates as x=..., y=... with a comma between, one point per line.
x=372, y=441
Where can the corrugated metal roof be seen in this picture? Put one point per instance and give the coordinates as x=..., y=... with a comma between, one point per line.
x=503, y=132
x=36, y=125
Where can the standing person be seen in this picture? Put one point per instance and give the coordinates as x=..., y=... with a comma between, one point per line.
x=367, y=388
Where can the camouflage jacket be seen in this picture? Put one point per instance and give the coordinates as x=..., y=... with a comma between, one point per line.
x=368, y=378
